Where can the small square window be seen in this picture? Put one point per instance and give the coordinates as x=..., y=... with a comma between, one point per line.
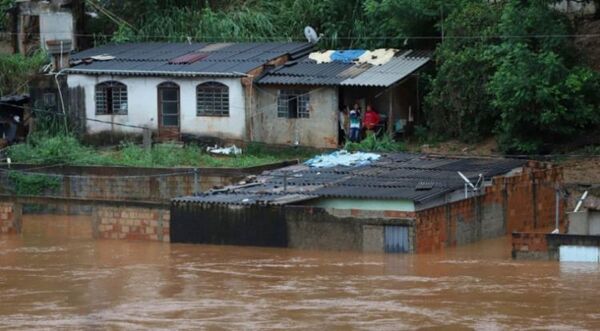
x=293, y=104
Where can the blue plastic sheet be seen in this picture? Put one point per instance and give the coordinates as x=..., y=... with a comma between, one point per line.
x=347, y=56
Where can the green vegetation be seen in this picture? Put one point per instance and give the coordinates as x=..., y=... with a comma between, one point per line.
x=44, y=149
x=32, y=184
x=373, y=144
x=4, y=6
x=16, y=70
x=503, y=70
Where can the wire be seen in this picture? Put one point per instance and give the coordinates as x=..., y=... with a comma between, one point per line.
x=289, y=38
x=36, y=110
x=29, y=172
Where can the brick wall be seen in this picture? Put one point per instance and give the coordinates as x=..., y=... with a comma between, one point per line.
x=9, y=218
x=131, y=183
x=524, y=202
x=132, y=223
x=529, y=245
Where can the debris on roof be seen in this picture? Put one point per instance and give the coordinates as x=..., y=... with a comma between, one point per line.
x=396, y=176
x=342, y=158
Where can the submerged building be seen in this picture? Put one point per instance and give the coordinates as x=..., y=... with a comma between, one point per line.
x=398, y=203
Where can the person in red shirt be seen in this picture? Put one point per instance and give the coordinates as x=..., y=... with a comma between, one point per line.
x=371, y=119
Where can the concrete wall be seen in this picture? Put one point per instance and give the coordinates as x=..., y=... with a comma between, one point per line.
x=57, y=26
x=586, y=222
x=546, y=246
x=131, y=183
x=576, y=7
x=299, y=227
x=132, y=223
x=319, y=130
x=142, y=98
x=125, y=221
x=365, y=204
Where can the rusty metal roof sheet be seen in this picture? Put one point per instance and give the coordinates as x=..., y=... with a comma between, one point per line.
x=183, y=59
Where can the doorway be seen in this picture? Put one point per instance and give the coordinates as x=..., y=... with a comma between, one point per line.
x=169, y=111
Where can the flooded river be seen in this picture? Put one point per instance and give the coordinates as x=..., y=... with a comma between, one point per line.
x=52, y=283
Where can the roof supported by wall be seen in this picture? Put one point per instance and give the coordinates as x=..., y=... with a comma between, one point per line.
x=182, y=59
x=337, y=73
x=421, y=179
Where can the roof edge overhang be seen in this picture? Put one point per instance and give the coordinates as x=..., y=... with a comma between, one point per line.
x=350, y=82
x=150, y=73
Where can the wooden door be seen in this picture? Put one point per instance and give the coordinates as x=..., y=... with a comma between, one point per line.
x=169, y=127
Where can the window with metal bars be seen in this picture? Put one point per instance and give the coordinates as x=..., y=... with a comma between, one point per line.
x=212, y=99
x=293, y=104
x=111, y=98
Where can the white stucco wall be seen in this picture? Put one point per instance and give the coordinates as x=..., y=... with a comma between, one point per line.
x=142, y=98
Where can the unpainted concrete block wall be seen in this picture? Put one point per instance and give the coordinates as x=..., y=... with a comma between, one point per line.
x=131, y=223
x=10, y=217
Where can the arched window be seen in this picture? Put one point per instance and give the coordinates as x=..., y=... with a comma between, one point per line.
x=212, y=99
x=111, y=98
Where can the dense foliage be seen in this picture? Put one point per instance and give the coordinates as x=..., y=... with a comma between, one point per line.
x=507, y=69
x=4, y=6
x=16, y=70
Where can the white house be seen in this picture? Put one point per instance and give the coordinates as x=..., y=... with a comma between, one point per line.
x=173, y=88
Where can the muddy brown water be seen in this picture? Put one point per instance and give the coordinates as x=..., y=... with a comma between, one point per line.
x=48, y=281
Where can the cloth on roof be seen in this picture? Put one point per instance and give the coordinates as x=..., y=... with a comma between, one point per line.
x=321, y=57
x=347, y=56
x=342, y=158
x=312, y=72
x=378, y=56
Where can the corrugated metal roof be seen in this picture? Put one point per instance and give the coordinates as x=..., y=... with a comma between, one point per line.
x=387, y=74
x=398, y=176
x=158, y=59
x=309, y=72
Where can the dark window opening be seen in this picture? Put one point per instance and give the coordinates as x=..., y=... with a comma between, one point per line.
x=293, y=104
x=111, y=98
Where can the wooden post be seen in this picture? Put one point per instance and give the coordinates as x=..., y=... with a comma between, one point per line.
x=390, y=124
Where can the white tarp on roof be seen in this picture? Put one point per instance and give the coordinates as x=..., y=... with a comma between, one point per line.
x=342, y=158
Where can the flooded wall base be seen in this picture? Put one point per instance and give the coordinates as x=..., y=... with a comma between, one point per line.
x=10, y=218
x=87, y=220
x=298, y=227
x=131, y=223
x=547, y=246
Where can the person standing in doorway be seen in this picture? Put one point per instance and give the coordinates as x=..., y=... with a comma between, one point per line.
x=371, y=120
x=354, y=126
